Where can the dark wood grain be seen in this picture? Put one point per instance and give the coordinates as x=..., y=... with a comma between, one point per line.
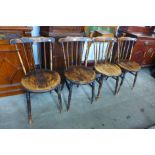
x=80, y=75
x=41, y=81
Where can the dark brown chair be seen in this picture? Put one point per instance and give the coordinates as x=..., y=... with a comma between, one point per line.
x=125, y=48
x=104, y=65
x=38, y=78
x=76, y=70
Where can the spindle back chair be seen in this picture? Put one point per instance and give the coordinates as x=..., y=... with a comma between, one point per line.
x=125, y=49
x=38, y=77
x=104, y=65
x=76, y=51
x=73, y=49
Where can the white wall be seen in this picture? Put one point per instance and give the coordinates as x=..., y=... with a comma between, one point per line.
x=36, y=49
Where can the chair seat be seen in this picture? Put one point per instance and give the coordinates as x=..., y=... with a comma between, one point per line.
x=108, y=69
x=41, y=81
x=130, y=66
x=80, y=75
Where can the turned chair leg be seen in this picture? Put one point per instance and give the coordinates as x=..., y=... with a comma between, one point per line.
x=93, y=91
x=122, y=80
x=70, y=85
x=58, y=91
x=29, y=107
x=100, y=81
x=116, y=87
x=134, y=82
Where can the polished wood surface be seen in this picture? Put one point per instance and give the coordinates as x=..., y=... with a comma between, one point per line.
x=144, y=49
x=10, y=68
x=108, y=69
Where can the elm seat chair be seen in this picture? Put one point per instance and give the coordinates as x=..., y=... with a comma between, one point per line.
x=125, y=48
x=76, y=70
x=38, y=78
x=104, y=65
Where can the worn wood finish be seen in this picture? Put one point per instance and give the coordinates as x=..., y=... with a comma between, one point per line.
x=41, y=81
x=125, y=50
x=103, y=53
x=80, y=75
x=37, y=80
x=75, y=73
x=130, y=66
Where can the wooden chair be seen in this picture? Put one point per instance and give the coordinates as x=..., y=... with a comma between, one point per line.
x=38, y=78
x=125, y=48
x=104, y=66
x=75, y=73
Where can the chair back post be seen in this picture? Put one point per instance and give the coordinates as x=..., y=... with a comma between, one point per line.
x=73, y=50
x=25, y=44
x=103, y=49
x=125, y=48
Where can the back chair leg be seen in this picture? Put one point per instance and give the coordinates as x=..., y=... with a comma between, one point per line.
x=100, y=81
x=93, y=91
x=29, y=107
x=116, y=87
x=62, y=85
x=58, y=91
x=136, y=74
x=122, y=80
x=70, y=86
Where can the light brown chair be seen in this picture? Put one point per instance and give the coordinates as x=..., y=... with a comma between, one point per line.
x=125, y=48
x=38, y=78
x=76, y=70
x=104, y=65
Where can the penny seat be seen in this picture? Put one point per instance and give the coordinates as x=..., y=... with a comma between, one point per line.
x=108, y=69
x=80, y=75
x=41, y=80
x=130, y=66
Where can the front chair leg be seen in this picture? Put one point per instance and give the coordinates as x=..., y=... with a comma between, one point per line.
x=136, y=74
x=116, y=87
x=29, y=107
x=100, y=81
x=70, y=86
x=122, y=80
x=58, y=91
x=93, y=91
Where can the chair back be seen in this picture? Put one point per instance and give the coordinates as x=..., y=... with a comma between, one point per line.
x=125, y=48
x=74, y=49
x=26, y=44
x=103, y=49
